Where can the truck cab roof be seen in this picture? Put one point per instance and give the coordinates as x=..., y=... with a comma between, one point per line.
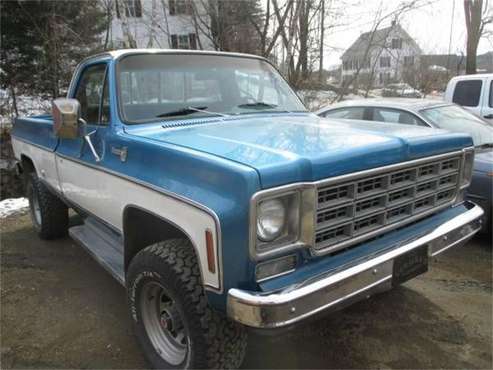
x=119, y=53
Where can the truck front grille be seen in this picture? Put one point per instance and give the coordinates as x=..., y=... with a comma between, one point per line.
x=353, y=211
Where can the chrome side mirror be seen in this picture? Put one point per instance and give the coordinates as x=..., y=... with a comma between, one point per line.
x=66, y=122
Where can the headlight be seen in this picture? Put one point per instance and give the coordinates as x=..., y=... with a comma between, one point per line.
x=281, y=220
x=467, y=167
x=271, y=219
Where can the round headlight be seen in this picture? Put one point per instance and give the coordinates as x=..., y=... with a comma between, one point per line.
x=271, y=217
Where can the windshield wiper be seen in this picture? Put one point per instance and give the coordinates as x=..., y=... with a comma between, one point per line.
x=185, y=111
x=258, y=105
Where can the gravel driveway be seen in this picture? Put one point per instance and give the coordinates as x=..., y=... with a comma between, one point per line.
x=60, y=309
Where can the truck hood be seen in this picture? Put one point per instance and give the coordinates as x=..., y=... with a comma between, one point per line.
x=304, y=147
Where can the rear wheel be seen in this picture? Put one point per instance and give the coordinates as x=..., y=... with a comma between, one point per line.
x=49, y=214
x=173, y=321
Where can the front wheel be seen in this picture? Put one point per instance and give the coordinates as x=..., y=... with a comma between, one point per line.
x=173, y=321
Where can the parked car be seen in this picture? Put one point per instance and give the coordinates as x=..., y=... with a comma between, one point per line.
x=434, y=114
x=245, y=211
x=400, y=90
x=474, y=93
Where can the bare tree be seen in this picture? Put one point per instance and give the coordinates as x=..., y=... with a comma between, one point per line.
x=322, y=34
x=107, y=6
x=123, y=10
x=298, y=37
x=153, y=25
x=477, y=15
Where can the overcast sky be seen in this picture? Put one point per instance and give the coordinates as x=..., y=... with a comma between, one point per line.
x=429, y=25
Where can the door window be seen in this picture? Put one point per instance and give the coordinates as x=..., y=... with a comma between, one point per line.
x=395, y=116
x=467, y=93
x=90, y=92
x=346, y=113
x=491, y=94
x=105, y=104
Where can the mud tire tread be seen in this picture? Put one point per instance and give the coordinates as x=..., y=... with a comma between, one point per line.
x=54, y=213
x=221, y=342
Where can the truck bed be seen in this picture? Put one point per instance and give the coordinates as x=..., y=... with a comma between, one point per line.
x=37, y=130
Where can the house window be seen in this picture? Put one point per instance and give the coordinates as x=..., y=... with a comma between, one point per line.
x=396, y=43
x=184, y=41
x=409, y=60
x=178, y=7
x=384, y=62
x=491, y=94
x=133, y=8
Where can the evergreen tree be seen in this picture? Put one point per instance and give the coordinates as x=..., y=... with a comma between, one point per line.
x=42, y=41
x=233, y=25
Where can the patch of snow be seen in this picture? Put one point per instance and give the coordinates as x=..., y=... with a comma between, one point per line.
x=13, y=206
x=26, y=106
x=316, y=99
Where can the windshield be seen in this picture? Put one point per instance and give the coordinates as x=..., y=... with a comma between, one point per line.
x=166, y=86
x=457, y=119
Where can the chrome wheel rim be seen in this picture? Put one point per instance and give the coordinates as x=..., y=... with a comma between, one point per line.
x=35, y=208
x=163, y=323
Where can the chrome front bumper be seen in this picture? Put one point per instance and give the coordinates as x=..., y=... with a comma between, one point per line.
x=295, y=303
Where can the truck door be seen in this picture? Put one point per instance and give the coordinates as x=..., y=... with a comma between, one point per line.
x=78, y=158
x=487, y=106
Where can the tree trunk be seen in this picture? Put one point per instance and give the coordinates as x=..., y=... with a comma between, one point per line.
x=472, y=11
x=108, y=25
x=14, y=100
x=471, y=58
x=321, y=51
x=168, y=36
x=303, y=37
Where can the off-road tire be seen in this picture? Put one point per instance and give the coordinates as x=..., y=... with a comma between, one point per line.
x=52, y=220
x=214, y=341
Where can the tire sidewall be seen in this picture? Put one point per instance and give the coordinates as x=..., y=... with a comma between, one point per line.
x=135, y=288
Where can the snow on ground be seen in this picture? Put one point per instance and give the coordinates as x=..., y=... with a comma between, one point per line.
x=26, y=106
x=13, y=206
x=316, y=99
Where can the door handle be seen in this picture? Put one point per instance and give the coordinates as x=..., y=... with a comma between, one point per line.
x=489, y=116
x=88, y=140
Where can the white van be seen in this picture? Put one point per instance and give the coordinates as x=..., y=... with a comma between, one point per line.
x=473, y=92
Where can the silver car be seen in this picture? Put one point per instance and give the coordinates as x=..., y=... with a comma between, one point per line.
x=433, y=114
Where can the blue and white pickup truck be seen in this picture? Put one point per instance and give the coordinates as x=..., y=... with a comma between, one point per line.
x=221, y=204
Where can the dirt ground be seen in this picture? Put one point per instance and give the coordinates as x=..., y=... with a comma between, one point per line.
x=60, y=309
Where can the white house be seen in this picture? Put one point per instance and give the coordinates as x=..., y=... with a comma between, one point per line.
x=380, y=56
x=174, y=24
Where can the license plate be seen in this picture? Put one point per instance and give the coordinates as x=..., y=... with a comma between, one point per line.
x=410, y=265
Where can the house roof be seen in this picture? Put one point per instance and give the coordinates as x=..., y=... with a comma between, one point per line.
x=377, y=38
